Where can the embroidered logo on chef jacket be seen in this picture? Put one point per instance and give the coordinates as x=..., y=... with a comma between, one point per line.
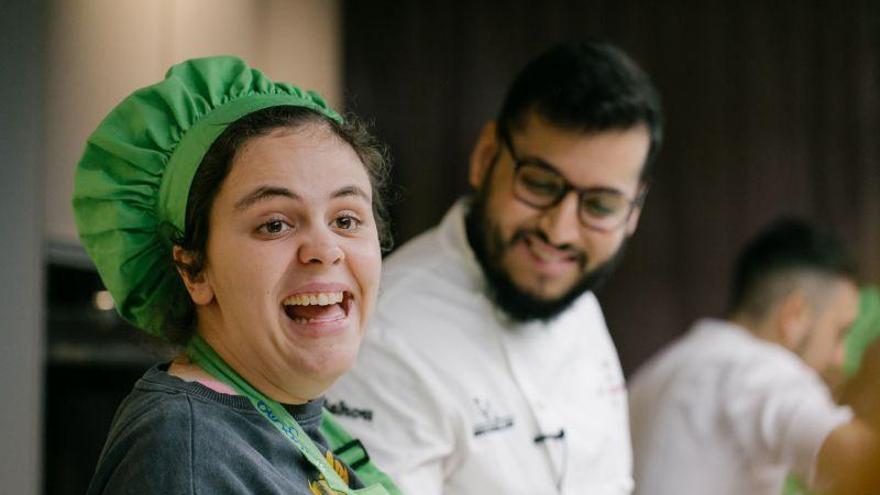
x=612, y=385
x=342, y=409
x=489, y=420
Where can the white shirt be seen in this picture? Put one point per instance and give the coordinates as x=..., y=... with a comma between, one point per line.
x=723, y=412
x=456, y=395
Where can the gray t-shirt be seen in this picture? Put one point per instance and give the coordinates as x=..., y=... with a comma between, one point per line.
x=175, y=437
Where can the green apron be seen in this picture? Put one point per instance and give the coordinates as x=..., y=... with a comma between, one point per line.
x=353, y=454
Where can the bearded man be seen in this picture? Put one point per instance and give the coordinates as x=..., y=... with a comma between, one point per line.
x=488, y=367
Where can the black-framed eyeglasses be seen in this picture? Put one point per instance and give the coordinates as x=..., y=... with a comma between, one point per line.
x=540, y=185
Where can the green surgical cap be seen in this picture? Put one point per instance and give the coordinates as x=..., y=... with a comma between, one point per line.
x=133, y=180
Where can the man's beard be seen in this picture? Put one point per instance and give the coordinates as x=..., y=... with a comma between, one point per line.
x=489, y=246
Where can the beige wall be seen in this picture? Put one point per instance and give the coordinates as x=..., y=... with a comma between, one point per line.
x=21, y=255
x=101, y=50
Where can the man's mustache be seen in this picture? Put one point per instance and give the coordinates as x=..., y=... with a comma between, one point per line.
x=521, y=234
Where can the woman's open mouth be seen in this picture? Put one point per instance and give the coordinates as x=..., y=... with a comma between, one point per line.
x=317, y=307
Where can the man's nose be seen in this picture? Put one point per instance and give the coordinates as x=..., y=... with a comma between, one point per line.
x=560, y=222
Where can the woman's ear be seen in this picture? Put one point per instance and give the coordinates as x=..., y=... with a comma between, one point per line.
x=200, y=291
x=483, y=155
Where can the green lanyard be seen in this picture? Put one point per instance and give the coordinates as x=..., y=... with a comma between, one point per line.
x=203, y=355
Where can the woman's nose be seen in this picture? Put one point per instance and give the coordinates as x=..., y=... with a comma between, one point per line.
x=321, y=248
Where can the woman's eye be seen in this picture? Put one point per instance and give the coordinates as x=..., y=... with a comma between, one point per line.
x=274, y=227
x=347, y=222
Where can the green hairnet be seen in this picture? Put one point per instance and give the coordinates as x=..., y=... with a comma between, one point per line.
x=133, y=180
x=865, y=330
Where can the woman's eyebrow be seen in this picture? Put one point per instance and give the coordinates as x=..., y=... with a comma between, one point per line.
x=263, y=193
x=351, y=190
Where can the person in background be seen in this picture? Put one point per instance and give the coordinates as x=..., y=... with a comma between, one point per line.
x=241, y=218
x=861, y=334
x=489, y=368
x=735, y=405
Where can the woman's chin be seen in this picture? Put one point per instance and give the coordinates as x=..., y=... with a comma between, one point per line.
x=326, y=365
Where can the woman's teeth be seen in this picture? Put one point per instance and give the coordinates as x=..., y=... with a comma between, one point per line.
x=306, y=308
x=314, y=299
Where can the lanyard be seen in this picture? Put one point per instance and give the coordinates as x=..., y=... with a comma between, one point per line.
x=203, y=355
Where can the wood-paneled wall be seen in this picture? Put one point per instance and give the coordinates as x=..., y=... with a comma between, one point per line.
x=771, y=107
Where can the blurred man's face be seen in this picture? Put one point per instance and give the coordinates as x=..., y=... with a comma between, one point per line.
x=823, y=346
x=540, y=259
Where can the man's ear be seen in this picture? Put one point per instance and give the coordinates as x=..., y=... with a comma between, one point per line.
x=200, y=291
x=633, y=221
x=483, y=155
x=792, y=319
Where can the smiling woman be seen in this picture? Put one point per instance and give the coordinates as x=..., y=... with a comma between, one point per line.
x=294, y=226
x=242, y=219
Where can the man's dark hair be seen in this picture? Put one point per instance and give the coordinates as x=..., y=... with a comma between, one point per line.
x=789, y=246
x=587, y=86
x=180, y=318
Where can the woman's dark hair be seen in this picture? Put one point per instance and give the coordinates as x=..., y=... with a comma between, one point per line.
x=181, y=313
x=585, y=86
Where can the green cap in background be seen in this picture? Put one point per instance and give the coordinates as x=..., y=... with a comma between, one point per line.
x=865, y=330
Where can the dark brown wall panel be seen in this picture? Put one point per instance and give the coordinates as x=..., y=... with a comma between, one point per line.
x=772, y=108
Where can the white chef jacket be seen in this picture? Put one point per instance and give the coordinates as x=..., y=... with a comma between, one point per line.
x=723, y=412
x=449, y=397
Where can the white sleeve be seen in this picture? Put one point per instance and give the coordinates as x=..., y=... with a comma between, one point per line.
x=401, y=415
x=780, y=412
